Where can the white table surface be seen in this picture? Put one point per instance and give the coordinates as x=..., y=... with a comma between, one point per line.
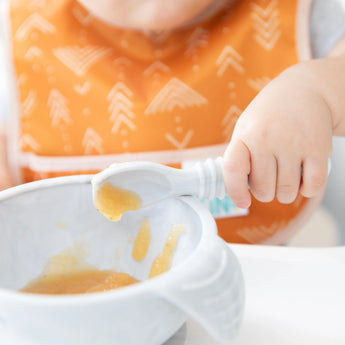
x=294, y=296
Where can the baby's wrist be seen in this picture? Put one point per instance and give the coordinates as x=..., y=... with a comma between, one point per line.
x=326, y=79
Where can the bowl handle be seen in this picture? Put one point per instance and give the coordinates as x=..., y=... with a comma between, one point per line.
x=210, y=289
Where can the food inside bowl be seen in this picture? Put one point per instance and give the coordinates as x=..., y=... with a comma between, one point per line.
x=70, y=273
x=79, y=282
x=163, y=261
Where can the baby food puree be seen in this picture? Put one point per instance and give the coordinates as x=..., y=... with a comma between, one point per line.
x=69, y=273
x=112, y=201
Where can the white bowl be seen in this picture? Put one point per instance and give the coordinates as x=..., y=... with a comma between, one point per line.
x=40, y=219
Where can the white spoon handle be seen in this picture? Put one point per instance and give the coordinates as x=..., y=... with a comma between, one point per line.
x=210, y=174
x=203, y=180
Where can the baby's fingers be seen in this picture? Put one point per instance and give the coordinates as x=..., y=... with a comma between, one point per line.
x=288, y=180
x=236, y=168
x=315, y=173
x=262, y=178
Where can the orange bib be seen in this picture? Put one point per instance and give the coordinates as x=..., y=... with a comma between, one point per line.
x=91, y=94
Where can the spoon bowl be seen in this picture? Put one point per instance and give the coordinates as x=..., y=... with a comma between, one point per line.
x=153, y=182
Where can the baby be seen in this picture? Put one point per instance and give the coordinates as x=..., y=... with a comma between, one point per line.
x=109, y=81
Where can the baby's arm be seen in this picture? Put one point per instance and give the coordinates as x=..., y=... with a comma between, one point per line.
x=286, y=128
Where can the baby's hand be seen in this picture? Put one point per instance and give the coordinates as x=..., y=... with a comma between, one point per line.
x=281, y=143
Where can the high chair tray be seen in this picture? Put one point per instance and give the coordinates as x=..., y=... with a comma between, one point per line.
x=293, y=296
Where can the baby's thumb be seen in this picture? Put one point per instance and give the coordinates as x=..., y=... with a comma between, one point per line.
x=236, y=168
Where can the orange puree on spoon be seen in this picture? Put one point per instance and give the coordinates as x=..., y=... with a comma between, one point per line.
x=112, y=201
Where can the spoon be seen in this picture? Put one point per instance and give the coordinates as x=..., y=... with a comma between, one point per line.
x=134, y=185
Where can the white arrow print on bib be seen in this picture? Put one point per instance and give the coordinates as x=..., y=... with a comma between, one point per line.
x=27, y=141
x=83, y=19
x=29, y=103
x=122, y=64
x=155, y=71
x=80, y=60
x=180, y=144
x=82, y=89
x=33, y=22
x=198, y=39
x=120, y=107
x=33, y=52
x=175, y=94
x=229, y=121
x=266, y=24
x=92, y=142
x=59, y=111
x=229, y=57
